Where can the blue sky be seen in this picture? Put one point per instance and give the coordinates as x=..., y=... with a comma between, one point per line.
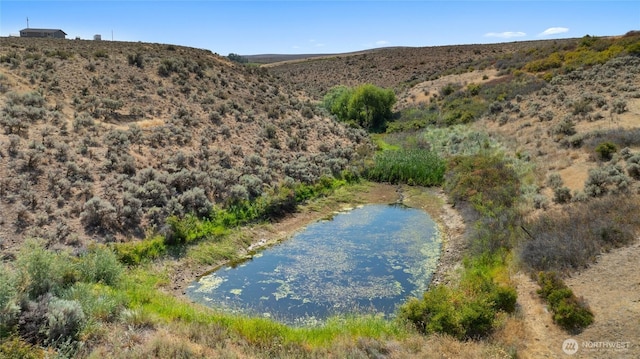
x=308, y=26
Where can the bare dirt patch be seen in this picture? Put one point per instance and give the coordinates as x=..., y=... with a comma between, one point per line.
x=422, y=92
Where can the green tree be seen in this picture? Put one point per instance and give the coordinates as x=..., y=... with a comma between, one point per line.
x=237, y=58
x=371, y=106
x=337, y=101
x=366, y=105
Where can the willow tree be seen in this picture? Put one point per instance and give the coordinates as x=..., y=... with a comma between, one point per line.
x=366, y=105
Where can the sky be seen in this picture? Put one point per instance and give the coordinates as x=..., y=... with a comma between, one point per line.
x=321, y=26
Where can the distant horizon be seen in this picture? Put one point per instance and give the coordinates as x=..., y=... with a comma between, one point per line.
x=297, y=27
x=328, y=53
x=325, y=53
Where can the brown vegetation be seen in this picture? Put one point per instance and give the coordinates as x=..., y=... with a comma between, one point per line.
x=104, y=140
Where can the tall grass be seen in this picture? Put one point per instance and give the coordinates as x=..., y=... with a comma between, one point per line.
x=414, y=167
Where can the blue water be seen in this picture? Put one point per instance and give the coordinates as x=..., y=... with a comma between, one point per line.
x=366, y=260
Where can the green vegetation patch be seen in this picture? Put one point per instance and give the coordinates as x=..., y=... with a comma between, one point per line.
x=588, y=52
x=414, y=167
x=468, y=310
x=56, y=299
x=366, y=106
x=489, y=182
x=569, y=311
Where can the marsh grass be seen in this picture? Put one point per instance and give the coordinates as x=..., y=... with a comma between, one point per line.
x=211, y=253
x=413, y=167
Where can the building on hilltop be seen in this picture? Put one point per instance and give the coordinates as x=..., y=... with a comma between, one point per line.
x=47, y=33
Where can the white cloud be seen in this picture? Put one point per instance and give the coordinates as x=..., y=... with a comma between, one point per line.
x=382, y=42
x=506, y=34
x=553, y=31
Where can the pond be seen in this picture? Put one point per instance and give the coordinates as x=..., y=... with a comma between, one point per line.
x=365, y=260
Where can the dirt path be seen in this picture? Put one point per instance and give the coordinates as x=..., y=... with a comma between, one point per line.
x=611, y=287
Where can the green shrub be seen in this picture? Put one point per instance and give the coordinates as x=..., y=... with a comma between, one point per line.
x=237, y=58
x=504, y=298
x=462, y=110
x=65, y=321
x=449, y=89
x=466, y=311
x=489, y=182
x=190, y=228
x=474, y=89
x=561, y=195
x=169, y=66
x=366, y=105
x=8, y=308
x=605, y=150
x=16, y=348
x=634, y=49
x=136, y=60
x=572, y=315
x=101, y=54
x=100, y=265
x=633, y=166
x=553, y=61
x=99, y=302
x=457, y=313
x=569, y=312
x=477, y=318
x=41, y=271
x=435, y=313
x=136, y=252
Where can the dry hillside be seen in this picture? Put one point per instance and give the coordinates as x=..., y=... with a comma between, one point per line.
x=404, y=67
x=105, y=140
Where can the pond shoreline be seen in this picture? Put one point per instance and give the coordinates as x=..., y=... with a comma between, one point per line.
x=431, y=200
